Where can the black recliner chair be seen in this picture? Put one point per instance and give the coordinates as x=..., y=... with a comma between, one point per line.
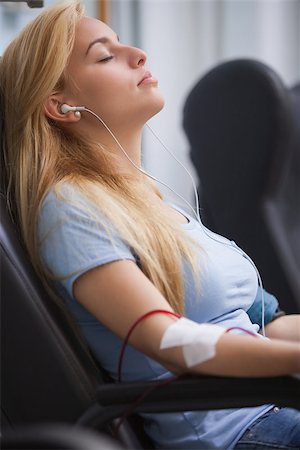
x=50, y=376
x=282, y=202
x=243, y=124
x=56, y=437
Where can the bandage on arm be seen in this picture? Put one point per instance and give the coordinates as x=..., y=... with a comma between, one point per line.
x=198, y=341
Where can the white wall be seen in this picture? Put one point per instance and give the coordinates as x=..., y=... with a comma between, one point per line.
x=266, y=30
x=15, y=15
x=172, y=59
x=185, y=38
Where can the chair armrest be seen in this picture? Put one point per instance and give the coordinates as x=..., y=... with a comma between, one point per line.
x=190, y=394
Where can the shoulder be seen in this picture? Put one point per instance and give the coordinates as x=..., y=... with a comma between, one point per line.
x=74, y=237
x=64, y=199
x=67, y=212
x=65, y=206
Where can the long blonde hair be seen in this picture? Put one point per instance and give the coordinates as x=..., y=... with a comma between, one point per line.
x=39, y=155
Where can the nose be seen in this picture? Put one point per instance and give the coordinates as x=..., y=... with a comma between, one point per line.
x=138, y=57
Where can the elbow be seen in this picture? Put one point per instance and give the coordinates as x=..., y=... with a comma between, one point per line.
x=173, y=361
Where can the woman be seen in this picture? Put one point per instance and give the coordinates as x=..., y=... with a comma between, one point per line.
x=115, y=249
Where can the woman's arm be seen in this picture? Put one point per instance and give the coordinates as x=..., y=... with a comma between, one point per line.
x=119, y=293
x=285, y=327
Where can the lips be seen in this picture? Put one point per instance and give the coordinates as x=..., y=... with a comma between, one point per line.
x=146, y=76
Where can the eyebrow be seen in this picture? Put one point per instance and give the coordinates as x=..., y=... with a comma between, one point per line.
x=102, y=40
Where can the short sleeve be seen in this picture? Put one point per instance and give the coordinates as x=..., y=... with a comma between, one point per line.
x=72, y=241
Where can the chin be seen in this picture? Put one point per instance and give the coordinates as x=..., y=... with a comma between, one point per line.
x=155, y=105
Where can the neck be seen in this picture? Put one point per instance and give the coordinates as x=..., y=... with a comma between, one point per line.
x=129, y=139
x=131, y=144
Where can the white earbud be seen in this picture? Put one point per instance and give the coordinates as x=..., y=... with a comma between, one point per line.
x=66, y=108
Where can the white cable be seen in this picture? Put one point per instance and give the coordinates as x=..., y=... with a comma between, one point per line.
x=132, y=162
x=197, y=213
x=232, y=244
x=187, y=171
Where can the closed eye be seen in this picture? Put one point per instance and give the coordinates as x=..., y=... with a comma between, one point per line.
x=108, y=58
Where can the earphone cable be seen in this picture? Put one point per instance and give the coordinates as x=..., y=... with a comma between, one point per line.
x=197, y=214
x=232, y=244
x=141, y=170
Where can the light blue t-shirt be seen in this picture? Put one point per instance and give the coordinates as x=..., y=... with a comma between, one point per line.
x=73, y=242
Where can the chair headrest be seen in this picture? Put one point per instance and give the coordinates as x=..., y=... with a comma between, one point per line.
x=238, y=112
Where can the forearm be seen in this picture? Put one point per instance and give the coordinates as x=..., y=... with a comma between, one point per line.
x=285, y=327
x=244, y=356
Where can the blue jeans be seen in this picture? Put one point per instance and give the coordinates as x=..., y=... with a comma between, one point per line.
x=279, y=428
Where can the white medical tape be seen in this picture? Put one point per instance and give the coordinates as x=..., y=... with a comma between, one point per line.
x=197, y=340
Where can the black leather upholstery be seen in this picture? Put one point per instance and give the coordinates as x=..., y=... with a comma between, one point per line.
x=43, y=375
x=282, y=204
x=49, y=375
x=239, y=122
x=56, y=437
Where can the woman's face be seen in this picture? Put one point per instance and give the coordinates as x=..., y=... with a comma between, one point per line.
x=110, y=78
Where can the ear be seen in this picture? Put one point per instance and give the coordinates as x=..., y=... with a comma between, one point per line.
x=52, y=110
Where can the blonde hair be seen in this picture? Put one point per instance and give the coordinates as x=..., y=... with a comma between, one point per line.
x=39, y=155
